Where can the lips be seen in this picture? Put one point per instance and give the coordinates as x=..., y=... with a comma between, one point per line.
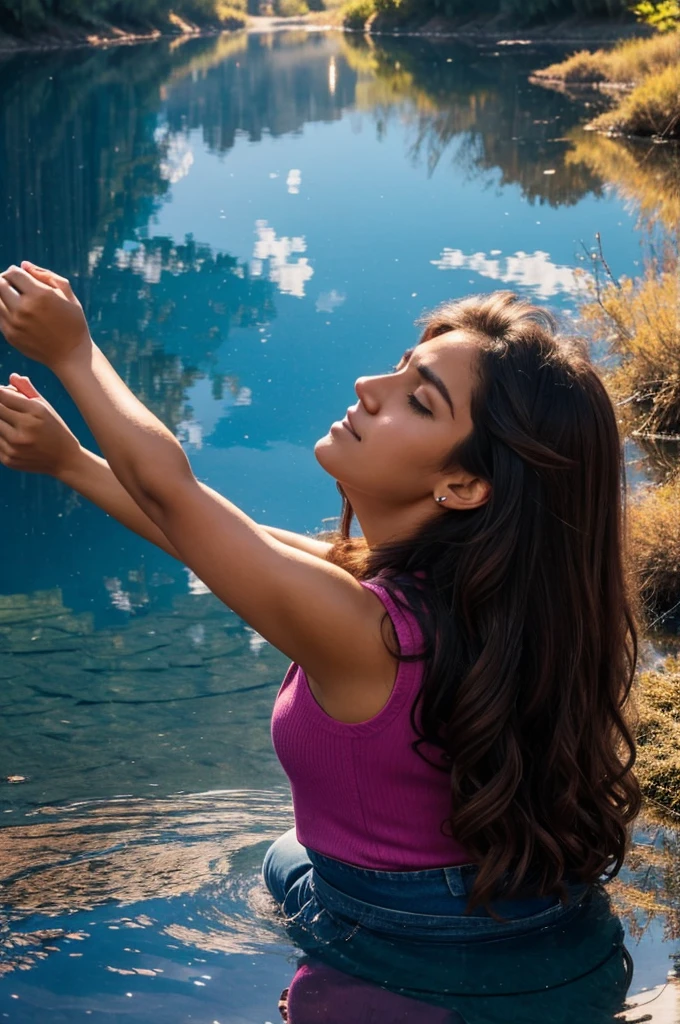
x=351, y=427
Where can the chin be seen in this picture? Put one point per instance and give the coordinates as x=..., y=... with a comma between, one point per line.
x=325, y=452
x=331, y=458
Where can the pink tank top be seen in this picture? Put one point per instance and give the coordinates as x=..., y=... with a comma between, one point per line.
x=361, y=794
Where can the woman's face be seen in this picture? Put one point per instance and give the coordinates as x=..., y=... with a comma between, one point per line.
x=406, y=422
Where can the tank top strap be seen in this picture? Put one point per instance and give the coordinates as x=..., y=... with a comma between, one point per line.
x=407, y=628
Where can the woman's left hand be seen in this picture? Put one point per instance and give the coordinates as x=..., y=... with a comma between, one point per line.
x=40, y=316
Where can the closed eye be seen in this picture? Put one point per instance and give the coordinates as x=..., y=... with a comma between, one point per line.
x=418, y=406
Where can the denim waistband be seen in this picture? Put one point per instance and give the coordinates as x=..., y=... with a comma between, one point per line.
x=458, y=880
x=423, y=901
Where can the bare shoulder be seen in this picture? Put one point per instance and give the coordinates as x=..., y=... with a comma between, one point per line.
x=360, y=693
x=309, y=608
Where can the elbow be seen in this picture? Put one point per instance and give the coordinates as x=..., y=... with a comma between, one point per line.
x=157, y=487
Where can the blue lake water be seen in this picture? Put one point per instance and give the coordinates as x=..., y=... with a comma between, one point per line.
x=252, y=222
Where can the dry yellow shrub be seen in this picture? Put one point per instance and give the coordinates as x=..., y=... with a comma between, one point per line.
x=639, y=321
x=652, y=108
x=627, y=63
x=654, y=542
x=658, y=762
x=650, y=67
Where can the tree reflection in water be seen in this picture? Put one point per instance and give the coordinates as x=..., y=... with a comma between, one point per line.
x=181, y=872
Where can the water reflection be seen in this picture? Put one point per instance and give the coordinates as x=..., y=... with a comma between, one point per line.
x=163, y=311
x=72, y=168
x=476, y=105
x=534, y=273
x=282, y=82
x=326, y=191
x=101, y=898
x=134, y=887
x=479, y=984
x=170, y=698
x=644, y=175
x=182, y=873
x=125, y=128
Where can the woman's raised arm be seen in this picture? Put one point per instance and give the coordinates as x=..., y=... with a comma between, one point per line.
x=35, y=439
x=313, y=611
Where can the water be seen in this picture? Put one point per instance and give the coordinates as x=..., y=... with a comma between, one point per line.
x=252, y=223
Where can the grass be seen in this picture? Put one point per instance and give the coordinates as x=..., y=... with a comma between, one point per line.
x=651, y=109
x=639, y=321
x=648, y=67
x=658, y=705
x=654, y=539
x=628, y=63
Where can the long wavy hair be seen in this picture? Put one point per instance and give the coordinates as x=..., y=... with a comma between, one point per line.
x=527, y=610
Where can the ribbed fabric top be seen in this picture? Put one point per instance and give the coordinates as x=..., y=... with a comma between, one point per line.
x=361, y=794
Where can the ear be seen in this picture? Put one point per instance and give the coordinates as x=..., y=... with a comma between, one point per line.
x=466, y=492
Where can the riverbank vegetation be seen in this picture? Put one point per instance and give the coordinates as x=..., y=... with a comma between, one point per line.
x=651, y=109
x=654, y=515
x=644, y=72
x=637, y=319
x=413, y=13
x=628, y=63
x=21, y=19
x=658, y=708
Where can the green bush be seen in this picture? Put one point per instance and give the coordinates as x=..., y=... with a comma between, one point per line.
x=27, y=14
x=663, y=15
x=290, y=8
x=357, y=12
x=525, y=11
x=232, y=15
x=33, y=15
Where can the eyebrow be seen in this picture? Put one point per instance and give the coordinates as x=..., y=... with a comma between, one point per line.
x=432, y=378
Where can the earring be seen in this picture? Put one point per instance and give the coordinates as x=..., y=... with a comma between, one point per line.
x=443, y=498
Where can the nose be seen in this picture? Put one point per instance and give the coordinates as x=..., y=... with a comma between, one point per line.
x=365, y=388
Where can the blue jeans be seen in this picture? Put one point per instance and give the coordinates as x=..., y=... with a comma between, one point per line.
x=329, y=901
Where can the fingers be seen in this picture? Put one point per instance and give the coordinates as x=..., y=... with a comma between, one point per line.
x=24, y=385
x=41, y=273
x=47, y=277
x=12, y=405
x=9, y=455
x=21, y=280
x=9, y=298
x=7, y=432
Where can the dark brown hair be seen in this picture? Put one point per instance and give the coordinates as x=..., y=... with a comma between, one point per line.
x=531, y=641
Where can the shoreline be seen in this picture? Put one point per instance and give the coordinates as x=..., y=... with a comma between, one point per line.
x=572, y=31
x=75, y=37
x=583, y=31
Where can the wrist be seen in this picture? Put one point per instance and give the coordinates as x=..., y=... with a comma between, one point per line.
x=69, y=469
x=80, y=354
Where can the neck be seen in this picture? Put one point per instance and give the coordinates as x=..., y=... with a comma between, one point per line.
x=383, y=523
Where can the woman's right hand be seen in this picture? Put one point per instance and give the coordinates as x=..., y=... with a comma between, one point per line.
x=33, y=436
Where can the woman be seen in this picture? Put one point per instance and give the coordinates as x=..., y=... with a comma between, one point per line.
x=453, y=721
